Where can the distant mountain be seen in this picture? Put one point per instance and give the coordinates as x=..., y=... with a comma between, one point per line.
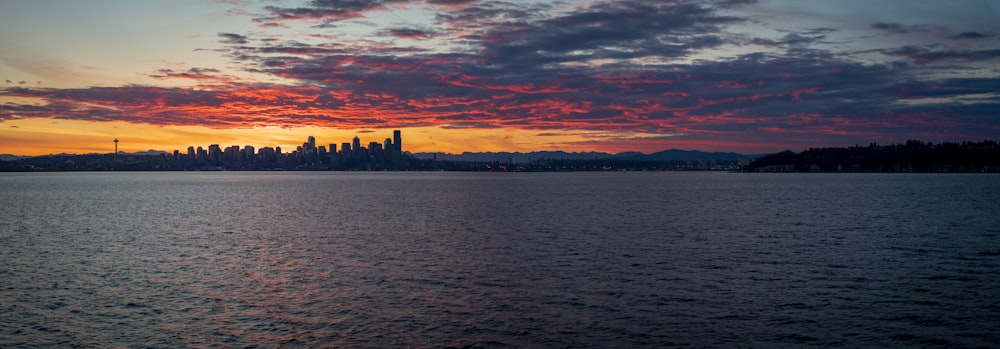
x=11, y=157
x=681, y=155
x=150, y=152
x=518, y=157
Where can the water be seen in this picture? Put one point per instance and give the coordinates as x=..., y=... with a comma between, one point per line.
x=530, y=260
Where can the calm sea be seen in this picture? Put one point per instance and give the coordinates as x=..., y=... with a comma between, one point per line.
x=535, y=260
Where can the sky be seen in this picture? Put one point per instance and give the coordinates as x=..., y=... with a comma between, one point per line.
x=746, y=76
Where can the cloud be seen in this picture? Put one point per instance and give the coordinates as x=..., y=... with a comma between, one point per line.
x=734, y=3
x=236, y=39
x=450, y=2
x=193, y=73
x=409, y=33
x=744, y=97
x=896, y=28
x=891, y=27
x=327, y=10
x=616, y=31
x=631, y=68
x=927, y=55
x=970, y=36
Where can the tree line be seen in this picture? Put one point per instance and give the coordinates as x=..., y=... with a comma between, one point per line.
x=912, y=156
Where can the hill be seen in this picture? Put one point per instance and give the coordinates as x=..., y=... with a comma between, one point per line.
x=913, y=156
x=522, y=158
x=683, y=155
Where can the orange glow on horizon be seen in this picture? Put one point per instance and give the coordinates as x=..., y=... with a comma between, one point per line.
x=40, y=136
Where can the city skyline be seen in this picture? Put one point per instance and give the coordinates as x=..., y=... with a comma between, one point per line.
x=354, y=148
x=747, y=76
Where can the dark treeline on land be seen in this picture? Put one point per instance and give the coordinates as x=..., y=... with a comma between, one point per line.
x=913, y=156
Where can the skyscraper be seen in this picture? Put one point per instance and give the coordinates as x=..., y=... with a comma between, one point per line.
x=397, y=141
x=356, y=146
x=396, y=150
x=214, y=153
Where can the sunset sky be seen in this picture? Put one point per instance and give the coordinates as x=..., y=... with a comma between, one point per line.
x=467, y=75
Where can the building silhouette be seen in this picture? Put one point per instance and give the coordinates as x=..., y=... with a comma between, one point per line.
x=308, y=156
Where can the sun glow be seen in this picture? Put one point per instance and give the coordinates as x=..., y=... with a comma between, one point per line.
x=40, y=136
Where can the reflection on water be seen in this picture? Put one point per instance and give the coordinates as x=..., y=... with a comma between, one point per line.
x=498, y=260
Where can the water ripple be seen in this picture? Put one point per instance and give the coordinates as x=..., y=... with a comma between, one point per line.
x=590, y=260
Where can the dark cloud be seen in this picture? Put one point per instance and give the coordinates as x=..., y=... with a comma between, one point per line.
x=209, y=75
x=896, y=28
x=409, y=33
x=235, y=39
x=330, y=10
x=519, y=37
x=734, y=3
x=612, y=66
x=920, y=54
x=891, y=27
x=970, y=36
x=450, y=2
x=800, y=40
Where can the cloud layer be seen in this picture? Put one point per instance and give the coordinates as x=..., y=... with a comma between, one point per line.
x=678, y=69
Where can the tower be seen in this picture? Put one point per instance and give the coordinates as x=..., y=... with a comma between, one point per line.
x=116, y=150
x=356, y=146
x=397, y=141
x=396, y=151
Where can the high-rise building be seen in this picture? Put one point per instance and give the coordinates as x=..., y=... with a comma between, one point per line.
x=312, y=142
x=214, y=153
x=397, y=141
x=356, y=146
x=248, y=153
x=268, y=154
x=232, y=153
x=396, y=151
